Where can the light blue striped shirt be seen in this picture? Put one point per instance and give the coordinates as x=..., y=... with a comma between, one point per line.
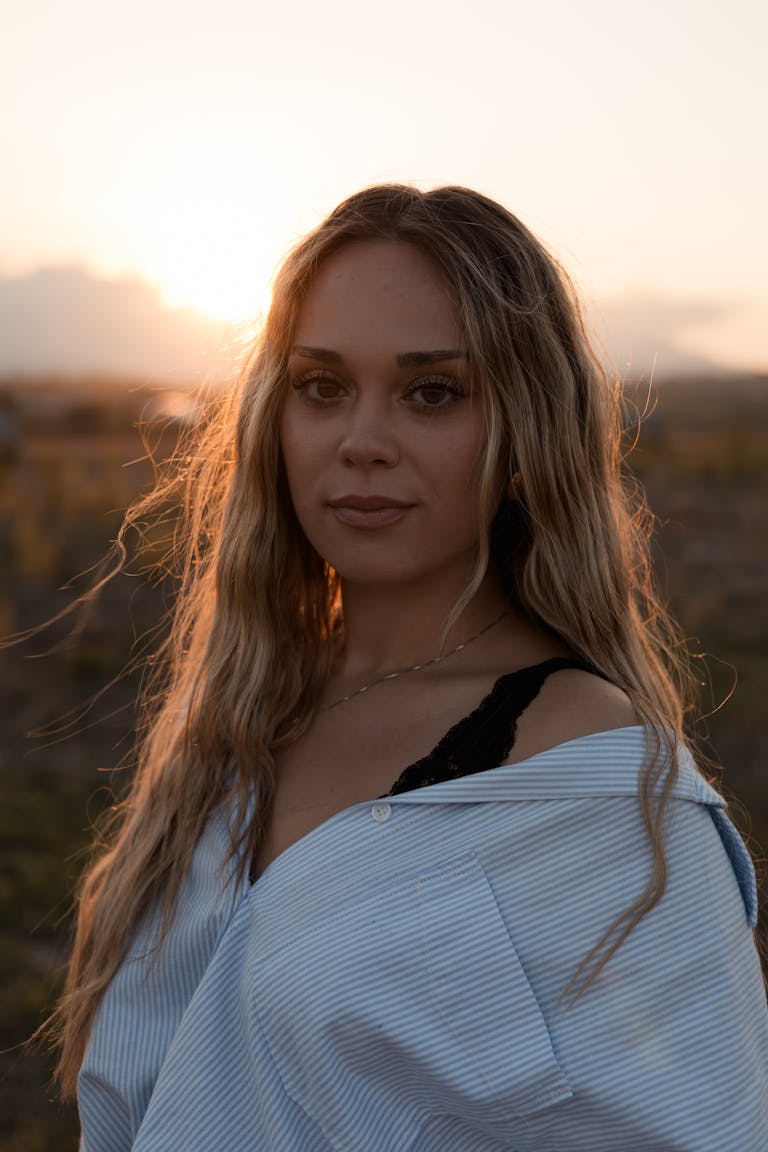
x=392, y=982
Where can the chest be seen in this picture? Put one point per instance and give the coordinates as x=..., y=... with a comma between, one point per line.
x=325, y=772
x=349, y=757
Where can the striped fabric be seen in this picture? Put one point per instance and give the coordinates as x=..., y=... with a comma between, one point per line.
x=392, y=982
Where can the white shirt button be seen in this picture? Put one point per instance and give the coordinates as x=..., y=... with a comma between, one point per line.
x=381, y=812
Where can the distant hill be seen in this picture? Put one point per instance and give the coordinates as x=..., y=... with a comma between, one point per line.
x=67, y=322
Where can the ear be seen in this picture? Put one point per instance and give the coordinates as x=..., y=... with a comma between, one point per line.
x=514, y=487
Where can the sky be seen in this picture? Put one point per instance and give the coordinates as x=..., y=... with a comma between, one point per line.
x=174, y=151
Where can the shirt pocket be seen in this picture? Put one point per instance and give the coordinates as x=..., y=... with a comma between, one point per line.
x=409, y=1004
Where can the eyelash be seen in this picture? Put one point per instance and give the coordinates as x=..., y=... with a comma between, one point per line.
x=447, y=383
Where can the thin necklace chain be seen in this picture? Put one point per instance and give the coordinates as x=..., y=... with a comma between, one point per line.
x=415, y=667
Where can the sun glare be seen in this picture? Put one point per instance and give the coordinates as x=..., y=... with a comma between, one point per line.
x=229, y=294
x=211, y=257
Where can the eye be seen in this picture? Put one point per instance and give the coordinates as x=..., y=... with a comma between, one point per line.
x=435, y=392
x=318, y=386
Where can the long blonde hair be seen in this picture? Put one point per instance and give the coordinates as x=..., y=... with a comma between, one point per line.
x=257, y=616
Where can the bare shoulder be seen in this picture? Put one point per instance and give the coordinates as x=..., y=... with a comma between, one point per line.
x=571, y=703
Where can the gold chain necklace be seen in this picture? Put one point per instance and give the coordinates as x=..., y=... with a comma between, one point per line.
x=415, y=667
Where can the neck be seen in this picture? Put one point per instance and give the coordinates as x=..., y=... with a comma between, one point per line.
x=391, y=627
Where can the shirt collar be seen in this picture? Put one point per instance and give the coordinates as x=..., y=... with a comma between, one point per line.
x=602, y=764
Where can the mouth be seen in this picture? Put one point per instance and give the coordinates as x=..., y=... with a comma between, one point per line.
x=368, y=503
x=369, y=511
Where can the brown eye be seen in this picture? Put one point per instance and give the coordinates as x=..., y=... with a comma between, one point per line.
x=318, y=387
x=435, y=392
x=325, y=389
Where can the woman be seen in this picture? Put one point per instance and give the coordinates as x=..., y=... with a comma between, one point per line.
x=416, y=856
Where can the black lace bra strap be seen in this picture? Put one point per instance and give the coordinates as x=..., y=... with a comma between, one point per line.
x=482, y=739
x=511, y=694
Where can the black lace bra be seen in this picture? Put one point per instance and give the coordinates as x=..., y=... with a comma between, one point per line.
x=483, y=738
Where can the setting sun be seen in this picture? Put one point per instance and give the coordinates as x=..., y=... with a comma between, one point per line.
x=211, y=257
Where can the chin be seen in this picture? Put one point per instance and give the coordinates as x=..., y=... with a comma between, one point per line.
x=375, y=575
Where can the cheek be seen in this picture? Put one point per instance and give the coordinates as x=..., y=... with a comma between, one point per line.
x=462, y=466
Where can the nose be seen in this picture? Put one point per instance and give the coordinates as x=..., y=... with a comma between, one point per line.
x=369, y=437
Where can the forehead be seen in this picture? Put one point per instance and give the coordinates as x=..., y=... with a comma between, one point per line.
x=379, y=290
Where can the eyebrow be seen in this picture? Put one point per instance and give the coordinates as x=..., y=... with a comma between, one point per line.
x=404, y=359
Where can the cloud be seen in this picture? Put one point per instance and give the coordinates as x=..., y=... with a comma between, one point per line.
x=66, y=321
x=644, y=334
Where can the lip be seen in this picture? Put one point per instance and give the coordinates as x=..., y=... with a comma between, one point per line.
x=368, y=511
x=368, y=503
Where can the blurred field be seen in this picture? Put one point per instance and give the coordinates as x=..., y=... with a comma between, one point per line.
x=64, y=481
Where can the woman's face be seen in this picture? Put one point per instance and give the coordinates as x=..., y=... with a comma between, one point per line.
x=380, y=434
